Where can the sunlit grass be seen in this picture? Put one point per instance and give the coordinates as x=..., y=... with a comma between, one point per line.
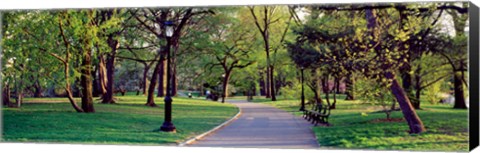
x=127, y=122
x=354, y=127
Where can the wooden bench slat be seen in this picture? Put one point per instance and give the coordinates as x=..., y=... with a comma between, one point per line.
x=317, y=114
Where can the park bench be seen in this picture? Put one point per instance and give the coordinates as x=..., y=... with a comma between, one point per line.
x=318, y=113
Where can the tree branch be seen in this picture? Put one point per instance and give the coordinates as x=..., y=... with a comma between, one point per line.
x=431, y=83
x=144, y=24
x=256, y=20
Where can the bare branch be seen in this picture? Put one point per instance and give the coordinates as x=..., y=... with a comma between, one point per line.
x=149, y=28
x=433, y=82
x=256, y=20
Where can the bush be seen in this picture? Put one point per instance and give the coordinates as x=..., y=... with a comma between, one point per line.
x=291, y=92
x=294, y=91
x=433, y=92
x=376, y=93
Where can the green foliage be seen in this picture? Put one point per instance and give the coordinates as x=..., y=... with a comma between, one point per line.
x=371, y=92
x=433, y=92
x=294, y=91
x=25, y=63
x=432, y=73
x=221, y=44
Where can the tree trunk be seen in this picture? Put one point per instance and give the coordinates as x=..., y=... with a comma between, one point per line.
x=151, y=88
x=316, y=95
x=318, y=91
x=38, y=90
x=225, y=86
x=267, y=82
x=418, y=88
x=145, y=80
x=201, y=90
x=407, y=84
x=337, y=85
x=269, y=71
x=138, y=85
x=262, y=85
x=19, y=99
x=336, y=82
x=161, y=78
x=272, y=84
x=251, y=92
x=414, y=122
x=68, y=88
x=458, y=91
x=325, y=89
x=86, y=80
x=350, y=87
x=417, y=96
x=102, y=75
x=173, y=63
x=70, y=98
x=19, y=90
x=96, y=83
x=6, y=95
x=108, y=96
x=66, y=71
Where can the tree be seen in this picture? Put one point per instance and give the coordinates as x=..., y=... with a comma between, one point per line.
x=387, y=59
x=86, y=35
x=427, y=69
x=267, y=21
x=77, y=33
x=230, y=46
x=112, y=17
x=139, y=47
x=407, y=16
x=28, y=26
x=329, y=38
x=148, y=18
x=380, y=48
x=370, y=91
x=457, y=54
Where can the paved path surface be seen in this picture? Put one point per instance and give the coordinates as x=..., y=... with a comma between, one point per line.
x=262, y=126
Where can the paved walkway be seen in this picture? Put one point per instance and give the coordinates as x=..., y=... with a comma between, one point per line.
x=262, y=126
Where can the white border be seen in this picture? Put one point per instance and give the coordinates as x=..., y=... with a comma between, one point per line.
x=61, y=4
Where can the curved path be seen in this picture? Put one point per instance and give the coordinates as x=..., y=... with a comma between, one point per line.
x=262, y=126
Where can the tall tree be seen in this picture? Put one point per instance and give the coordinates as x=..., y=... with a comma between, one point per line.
x=181, y=17
x=457, y=55
x=267, y=20
x=381, y=48
x=231, y=46
x=387, y=64
x=69, y=26
x=114, y=18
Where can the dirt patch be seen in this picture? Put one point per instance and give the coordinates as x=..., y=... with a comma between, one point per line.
x=381, y=120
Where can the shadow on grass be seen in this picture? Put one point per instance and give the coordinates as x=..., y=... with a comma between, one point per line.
x=122, y=123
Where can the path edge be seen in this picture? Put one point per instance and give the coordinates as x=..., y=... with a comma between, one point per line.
x=198, y=137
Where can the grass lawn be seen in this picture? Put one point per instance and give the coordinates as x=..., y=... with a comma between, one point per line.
x=128, y=122
x=356, y=126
